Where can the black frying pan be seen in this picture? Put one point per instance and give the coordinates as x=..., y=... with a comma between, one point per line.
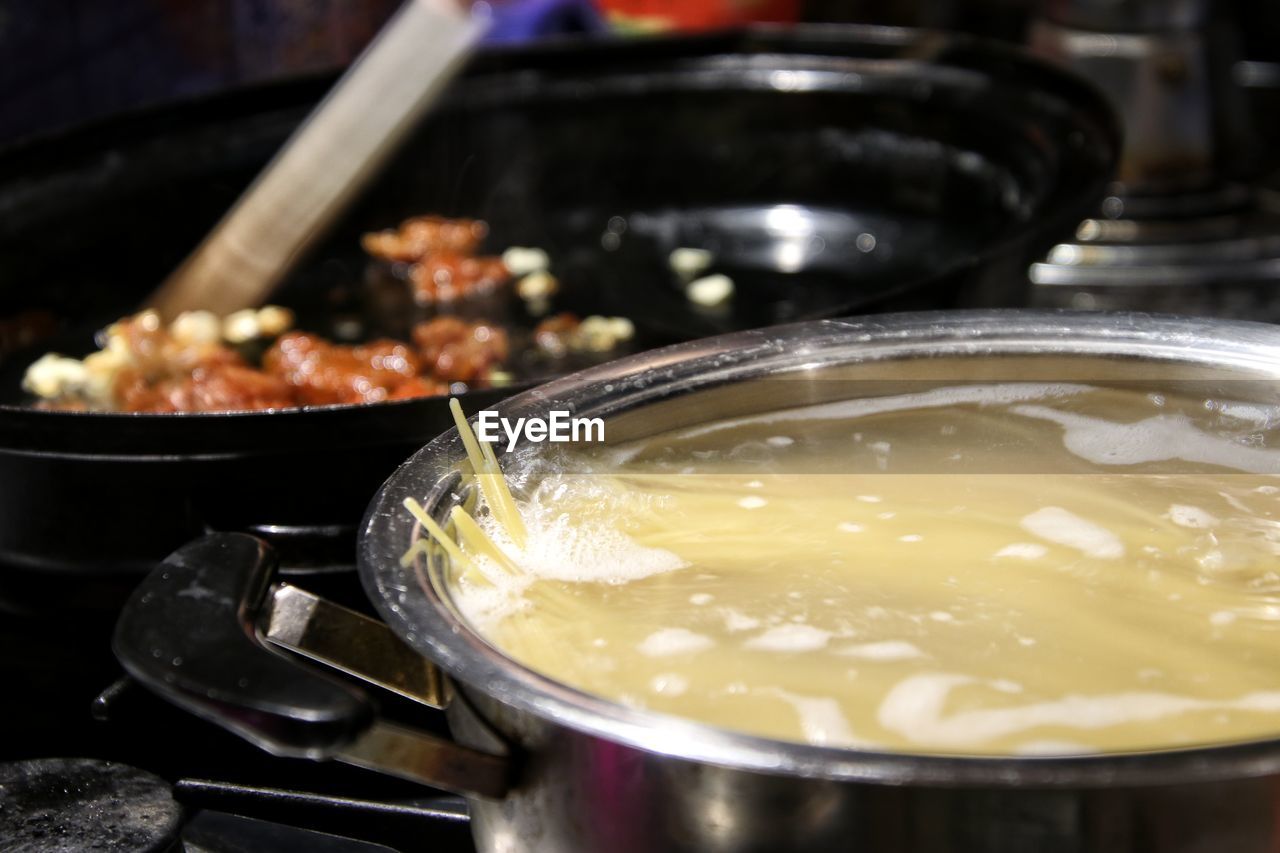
x=830, y=170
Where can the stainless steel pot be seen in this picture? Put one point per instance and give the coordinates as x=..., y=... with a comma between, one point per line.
x=551, y=768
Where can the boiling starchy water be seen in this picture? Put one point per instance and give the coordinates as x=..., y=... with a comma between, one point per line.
x=983, y=570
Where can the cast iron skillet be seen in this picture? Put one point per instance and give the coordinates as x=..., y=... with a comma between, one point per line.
x=830, y=170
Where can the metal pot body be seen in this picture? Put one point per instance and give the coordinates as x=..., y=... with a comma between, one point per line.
x=591, y=795
x=594, y=775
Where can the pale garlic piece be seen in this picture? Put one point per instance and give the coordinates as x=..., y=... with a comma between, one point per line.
x=523, y=260
x=273, y=320
x=149, y=321
x=196, y=327
x=101, y=369
x=710, y=291
x=594, y=334
x=240, y=326
x=537, y=286
x=687, y=263
x=53, y=376
x=113, y=340
x=621, y=328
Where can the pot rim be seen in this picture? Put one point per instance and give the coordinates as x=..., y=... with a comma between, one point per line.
x=430, y=625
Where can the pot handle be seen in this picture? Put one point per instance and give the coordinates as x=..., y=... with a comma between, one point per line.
x=196, y=632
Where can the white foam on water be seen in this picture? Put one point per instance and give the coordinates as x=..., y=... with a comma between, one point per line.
x=1061, y=527
x=821, y=720
x=701, y=598
x=1211, y=561
x=736, y=620
x=485, y=605
x=1023, y=551
x=752, y=502
x=1236, y=503
x=1191, y=516
x=790, y=638
x=674, y=641
x=669, y=684
x=1255, y=414
x=883, y=650
x=911, y=537
x=987, y=395
x=914, y=709
x=849, y=527
x=780, y=440
x=1156, y=439
x=870, y=499
x=560, y=548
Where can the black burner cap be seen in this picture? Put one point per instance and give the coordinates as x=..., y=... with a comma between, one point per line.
x=51, y=805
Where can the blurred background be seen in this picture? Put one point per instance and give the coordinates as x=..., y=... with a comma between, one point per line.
x=68, y=60
x=992, y=186
x=1196, y=84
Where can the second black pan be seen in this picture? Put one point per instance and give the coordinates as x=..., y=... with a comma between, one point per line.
x=829, y=170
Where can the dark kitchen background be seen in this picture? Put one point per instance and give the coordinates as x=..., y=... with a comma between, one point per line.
x=69, y=60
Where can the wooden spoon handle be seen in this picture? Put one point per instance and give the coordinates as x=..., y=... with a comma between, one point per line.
x=326, y=161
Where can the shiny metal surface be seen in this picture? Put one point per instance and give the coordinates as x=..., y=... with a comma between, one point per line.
x=1183, y=229
x=193, y=633
x=600, y=776
x=1129, y=15
x=1170, y=263
x=1221, y=266
x=1163, y=87
x=588, y=794
x=410, y=754
x=308, y=625
x=1171, y=69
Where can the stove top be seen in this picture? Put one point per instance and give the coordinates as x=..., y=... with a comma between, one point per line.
x=94, y=761
x=1221, y=261
x=72, y=804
